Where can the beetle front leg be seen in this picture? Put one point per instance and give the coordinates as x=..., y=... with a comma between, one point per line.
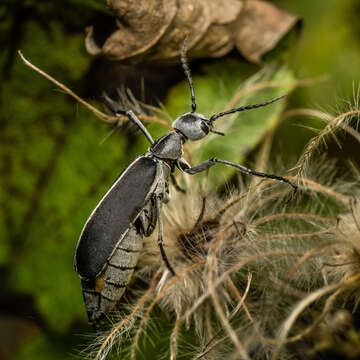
x=158, y=200
x=132, y=117
x=211, y=162
x=176, y=185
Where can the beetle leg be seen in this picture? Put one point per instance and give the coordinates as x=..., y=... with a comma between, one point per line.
x=132, y=117
x=182, y=164
x=147, y=218
x=211, y=162
x=158, y=200
x=176, y=185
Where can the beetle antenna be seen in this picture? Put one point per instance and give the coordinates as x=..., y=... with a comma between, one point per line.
x=217, y=132
x=247, y=107
x=188, y=74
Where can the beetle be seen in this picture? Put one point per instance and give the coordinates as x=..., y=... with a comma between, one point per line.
x=111, y=239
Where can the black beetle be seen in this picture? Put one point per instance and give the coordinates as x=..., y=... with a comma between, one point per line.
x=110, y=242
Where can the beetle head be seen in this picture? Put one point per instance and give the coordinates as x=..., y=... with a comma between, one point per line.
x=193, y=125
x=196, y=126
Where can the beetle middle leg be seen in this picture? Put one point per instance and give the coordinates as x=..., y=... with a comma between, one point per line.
x=158, y=199
x=176, y=185
x=146, y=221
x=211, y=162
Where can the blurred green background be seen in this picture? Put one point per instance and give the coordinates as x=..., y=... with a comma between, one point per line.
x=55, y=164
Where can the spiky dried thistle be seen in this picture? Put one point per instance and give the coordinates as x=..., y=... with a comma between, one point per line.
x=286, y=247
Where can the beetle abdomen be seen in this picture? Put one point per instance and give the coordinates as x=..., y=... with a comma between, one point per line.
x=101, y=295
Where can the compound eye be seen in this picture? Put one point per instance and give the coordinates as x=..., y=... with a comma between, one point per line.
x=205, y=127
x=188, y=118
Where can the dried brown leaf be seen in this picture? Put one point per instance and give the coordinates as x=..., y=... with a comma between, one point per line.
x=154, y=30
x=260, y=27
x=141, y=24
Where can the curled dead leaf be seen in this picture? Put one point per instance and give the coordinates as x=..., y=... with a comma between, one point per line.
x=154, y=30
x=140, y=24
x=260, y=27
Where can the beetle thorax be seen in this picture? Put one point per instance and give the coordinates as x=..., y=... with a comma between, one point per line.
x=168, y=146
x=192, y=125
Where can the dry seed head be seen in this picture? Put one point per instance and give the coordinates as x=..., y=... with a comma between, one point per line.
x=197, y=225
x=183, y=245
x=245, y=226
x=344, y=256
x=335, y=126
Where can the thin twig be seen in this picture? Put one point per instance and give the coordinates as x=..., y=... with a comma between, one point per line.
x=174, y=338
x=119, y=119
x=97, y=112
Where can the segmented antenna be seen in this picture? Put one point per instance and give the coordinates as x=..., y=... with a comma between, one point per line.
x=247, y=107
x=188, y=74
x=217, y=132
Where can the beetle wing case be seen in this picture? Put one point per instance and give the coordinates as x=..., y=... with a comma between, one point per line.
x=112, y=217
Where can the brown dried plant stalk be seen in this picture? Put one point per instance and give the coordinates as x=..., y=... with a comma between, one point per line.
x=118, y=119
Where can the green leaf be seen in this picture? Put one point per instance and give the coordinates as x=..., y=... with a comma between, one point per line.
x=49, y=347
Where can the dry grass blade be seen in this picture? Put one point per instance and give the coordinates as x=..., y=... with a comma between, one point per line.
x=106, y=345
x=351, y=282
x=271, y=217
x=241, y=298
x=310, y=253
x=174, y=338
x=226, y=324
x=297, y=235
x=209, y=349
x=307, y=112
x=119, y=119
x=155, y=301
x=313, y=144
x=270, y=84
x=232, y=269
x=100, y=114
x=210, y=345
x=322, y=116
x=313, y=185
